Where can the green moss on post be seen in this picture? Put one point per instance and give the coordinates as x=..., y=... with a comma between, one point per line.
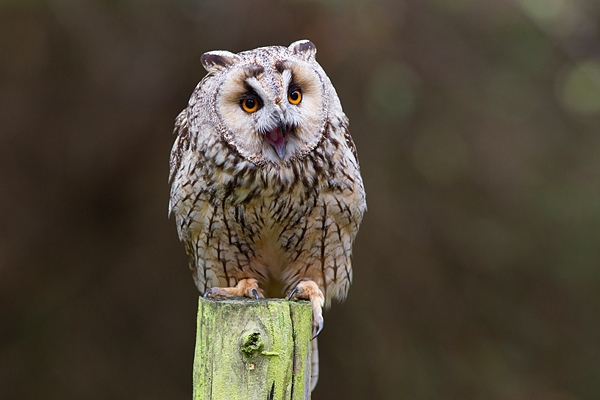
x=252, y=349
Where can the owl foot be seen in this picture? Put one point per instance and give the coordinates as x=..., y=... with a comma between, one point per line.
x=309, y=290
x=244, y=288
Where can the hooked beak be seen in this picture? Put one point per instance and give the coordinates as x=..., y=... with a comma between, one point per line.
x=277, y=138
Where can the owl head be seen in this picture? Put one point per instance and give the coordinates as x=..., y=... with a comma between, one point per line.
x=270, y=104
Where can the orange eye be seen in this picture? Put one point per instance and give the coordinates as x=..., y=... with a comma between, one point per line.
x=295, y=96
x=250, y=105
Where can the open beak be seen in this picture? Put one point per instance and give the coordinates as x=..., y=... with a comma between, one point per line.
x=277, y=138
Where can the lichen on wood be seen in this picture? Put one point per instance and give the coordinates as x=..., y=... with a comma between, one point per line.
x=252, y=349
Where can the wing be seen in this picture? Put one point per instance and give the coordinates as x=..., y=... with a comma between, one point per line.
x=205, y=220
x=187, y=197
x=328, y=230
x=191, y=204
x=181, y=143
x=348, y=139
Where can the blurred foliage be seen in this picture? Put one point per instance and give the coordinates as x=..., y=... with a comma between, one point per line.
x=478, y=128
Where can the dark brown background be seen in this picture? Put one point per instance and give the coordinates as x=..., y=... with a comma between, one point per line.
x=477, y=268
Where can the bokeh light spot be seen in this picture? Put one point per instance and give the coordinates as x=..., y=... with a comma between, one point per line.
x=391, y=93
x=579, y=90
x=544, y=10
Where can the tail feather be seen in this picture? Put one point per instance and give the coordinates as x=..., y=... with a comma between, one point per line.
x=314, y=371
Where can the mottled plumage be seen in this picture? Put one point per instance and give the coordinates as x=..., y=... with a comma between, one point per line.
x=266, y=187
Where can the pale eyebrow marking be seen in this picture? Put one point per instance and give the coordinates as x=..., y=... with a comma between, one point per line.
x=287, y=79
x=255, y=84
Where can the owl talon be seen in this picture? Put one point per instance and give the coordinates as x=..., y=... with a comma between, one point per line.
x=317, y=326
x=309, y=290
x=244, y=288
x=291, y=295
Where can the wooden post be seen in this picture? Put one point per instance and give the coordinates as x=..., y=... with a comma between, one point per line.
x=252, y=349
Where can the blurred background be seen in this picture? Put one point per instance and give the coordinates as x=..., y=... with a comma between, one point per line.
x=477, y=268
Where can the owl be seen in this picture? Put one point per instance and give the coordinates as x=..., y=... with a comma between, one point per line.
x=265, y=182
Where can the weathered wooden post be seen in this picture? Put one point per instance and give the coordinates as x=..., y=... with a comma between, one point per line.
x=252, y=349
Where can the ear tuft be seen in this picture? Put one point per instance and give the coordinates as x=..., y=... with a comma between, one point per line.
x=212, y=61
x=304, y=48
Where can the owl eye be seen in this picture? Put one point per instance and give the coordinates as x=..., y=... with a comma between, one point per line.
x=295, y=96
x=250, y=104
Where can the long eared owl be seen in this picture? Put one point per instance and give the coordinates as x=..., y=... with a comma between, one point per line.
x=266, y=187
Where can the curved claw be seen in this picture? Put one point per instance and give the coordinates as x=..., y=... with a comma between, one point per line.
x=291, y=296
x=318, y=326
x=254, y=293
